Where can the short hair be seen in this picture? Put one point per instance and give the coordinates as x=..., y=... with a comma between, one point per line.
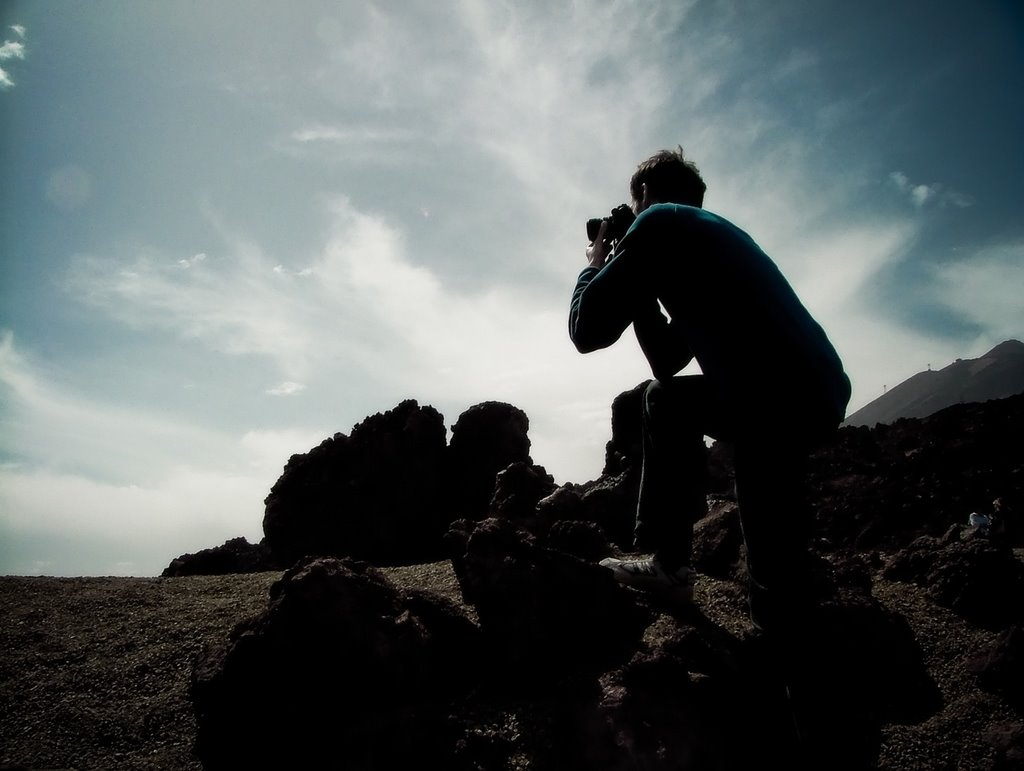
x=669, y=178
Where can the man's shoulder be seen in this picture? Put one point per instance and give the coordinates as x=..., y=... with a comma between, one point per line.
x=679, y=215
x=699, y=227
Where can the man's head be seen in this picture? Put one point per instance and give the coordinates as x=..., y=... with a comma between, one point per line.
x=666, y=177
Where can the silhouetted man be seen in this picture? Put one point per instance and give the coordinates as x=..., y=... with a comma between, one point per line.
x=772, y=383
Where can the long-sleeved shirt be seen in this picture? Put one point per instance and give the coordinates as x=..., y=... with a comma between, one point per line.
x=730, y=308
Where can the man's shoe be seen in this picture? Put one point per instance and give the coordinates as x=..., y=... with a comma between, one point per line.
x=648, y=575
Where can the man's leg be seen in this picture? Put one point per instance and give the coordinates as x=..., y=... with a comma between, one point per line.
x=776, y=522
x=677, y=415
x=784, y=602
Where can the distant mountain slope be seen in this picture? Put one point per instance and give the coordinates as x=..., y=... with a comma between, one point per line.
x=996, y=375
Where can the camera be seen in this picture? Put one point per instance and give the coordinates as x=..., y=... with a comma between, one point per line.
x=618, y=223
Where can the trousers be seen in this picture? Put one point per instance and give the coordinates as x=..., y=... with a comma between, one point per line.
x=771, y=446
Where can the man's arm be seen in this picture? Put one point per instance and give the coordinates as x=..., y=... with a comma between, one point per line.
x=608, y=295
x=594, y=320
x=665, y=348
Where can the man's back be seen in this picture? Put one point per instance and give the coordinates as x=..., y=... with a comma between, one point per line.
x=730, y=307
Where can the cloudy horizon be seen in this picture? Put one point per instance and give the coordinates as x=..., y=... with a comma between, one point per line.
x=231, y=231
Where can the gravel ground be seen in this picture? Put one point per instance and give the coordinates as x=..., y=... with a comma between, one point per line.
x=94, y=671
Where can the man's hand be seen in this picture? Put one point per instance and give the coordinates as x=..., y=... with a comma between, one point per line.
x=597, y=252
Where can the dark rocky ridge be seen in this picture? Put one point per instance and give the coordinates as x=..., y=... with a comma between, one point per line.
x=541, y=624
x=389, y=493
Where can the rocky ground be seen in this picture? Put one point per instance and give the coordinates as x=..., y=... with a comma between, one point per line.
x=94, y=672
x=521, y=653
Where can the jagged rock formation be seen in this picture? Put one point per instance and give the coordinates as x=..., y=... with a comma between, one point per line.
x=236, y=555
x=996, y=375
x=487, y=438
x=551, y=661
x=881, y=488
x=387, y=492
x=555, y=669
x=1001, y=669
x=376, y=494
x=975, y=575
x=342, y=670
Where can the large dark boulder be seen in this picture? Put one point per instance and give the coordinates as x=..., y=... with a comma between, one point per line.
x=1007, y=739
x=688, y=700
x=967, y=573
x=236, y=555
x=626, y=447
x=387, y=492
x=545, y=613
x=375, y=494
x=881, y=488
x=608, y=501
x=518, y=489
x=1000, y=669
x=486, y=439
x=718, y=540
x=852, y=668
x=338, y=666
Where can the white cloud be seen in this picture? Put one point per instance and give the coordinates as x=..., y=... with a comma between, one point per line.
x=922, y=195
x=268, y=450
x=189, y=262
x=101, y=489
x=50, y=519
x=19, y=30
x=12, y=49
x=559, y=116
x=364, y=311
x=53, y=427
x=287, y=388
x=984, y=288
x=320, y=133
x=232, y=304
x=536, y=109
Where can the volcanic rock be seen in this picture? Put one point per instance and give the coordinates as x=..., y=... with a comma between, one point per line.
x=486, y=439
x=545, y=613
x=626, y=447
x=884, y=487
x=1008, y=741
x=518, y=489
x=976, y=578
x=375, y=495
x=1001, y=669
x=338, y=665
x=236, y=555
x=718, y=540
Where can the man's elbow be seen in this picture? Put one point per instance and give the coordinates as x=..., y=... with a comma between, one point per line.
x=586, y=343
x=666, y=370
x=587, y=347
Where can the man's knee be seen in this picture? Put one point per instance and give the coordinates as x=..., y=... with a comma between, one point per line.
x=680, y=403
x=678, y=395
x=653, y=395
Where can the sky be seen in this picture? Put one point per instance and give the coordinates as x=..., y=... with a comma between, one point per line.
x=232, y=228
